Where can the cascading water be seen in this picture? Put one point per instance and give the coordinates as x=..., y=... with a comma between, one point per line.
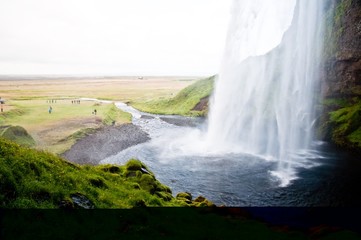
x=264, y=104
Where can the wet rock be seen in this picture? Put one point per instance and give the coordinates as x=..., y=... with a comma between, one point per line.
x=183, y=121
x=146, y=117
x=81, y=201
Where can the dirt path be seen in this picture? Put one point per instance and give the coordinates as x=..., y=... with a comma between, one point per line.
x=105, y=142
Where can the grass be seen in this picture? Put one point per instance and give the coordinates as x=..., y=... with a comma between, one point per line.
x=33, y=179
x=57, y=131
x=36, y=179
x=181, y=104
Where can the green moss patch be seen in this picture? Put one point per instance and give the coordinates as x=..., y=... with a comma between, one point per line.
x=345, y=125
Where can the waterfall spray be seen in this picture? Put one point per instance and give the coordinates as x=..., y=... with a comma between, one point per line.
x=263, y=102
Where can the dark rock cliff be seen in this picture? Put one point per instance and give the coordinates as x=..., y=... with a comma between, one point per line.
x=341, y=81
x=343, y=66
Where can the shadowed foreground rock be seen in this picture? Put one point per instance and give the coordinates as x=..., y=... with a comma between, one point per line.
x=104, y=143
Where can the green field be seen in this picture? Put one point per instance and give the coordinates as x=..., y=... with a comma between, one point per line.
x=184, y=103
x=57, y=131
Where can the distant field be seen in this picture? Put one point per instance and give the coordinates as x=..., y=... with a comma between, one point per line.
x=122, y=88
x=28, y=101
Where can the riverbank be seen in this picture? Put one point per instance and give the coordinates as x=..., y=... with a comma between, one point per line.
x=105, y=142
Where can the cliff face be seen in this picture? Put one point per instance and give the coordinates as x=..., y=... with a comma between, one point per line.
x=343, y=67
x=341, y=121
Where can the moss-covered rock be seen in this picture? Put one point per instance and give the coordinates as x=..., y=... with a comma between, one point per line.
x=344, y=124
x=201, y=201
x=17, y=134
x=184, y=196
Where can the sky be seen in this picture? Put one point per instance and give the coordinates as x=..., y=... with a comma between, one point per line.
x=112, y=37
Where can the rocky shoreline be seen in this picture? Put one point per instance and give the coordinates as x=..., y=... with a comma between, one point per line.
x=105, y=142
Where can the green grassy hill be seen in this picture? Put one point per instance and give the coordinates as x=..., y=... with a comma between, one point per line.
x=34, y=179
x=184, y=103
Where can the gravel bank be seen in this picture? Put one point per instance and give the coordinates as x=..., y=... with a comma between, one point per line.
x=105, y=142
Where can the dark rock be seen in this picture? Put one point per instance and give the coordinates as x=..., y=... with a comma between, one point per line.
x=183, y=121
x=105, y=142
x=81, y=201
x=66, y=204
x=202, y=105
x=146, y=117
x=342, y=74
x=200, y=199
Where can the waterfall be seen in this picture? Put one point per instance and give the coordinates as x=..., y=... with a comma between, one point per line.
x=263, y=103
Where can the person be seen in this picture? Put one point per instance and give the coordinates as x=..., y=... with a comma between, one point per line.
x=95, y=112
x=50, y=109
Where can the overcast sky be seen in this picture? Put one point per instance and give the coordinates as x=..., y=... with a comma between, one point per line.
x=114, y=37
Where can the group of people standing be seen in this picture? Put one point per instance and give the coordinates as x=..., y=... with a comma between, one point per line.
x=50, y=110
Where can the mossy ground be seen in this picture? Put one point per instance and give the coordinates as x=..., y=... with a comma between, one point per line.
x=343, y=123
x=183, y=103
x=33, y=179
